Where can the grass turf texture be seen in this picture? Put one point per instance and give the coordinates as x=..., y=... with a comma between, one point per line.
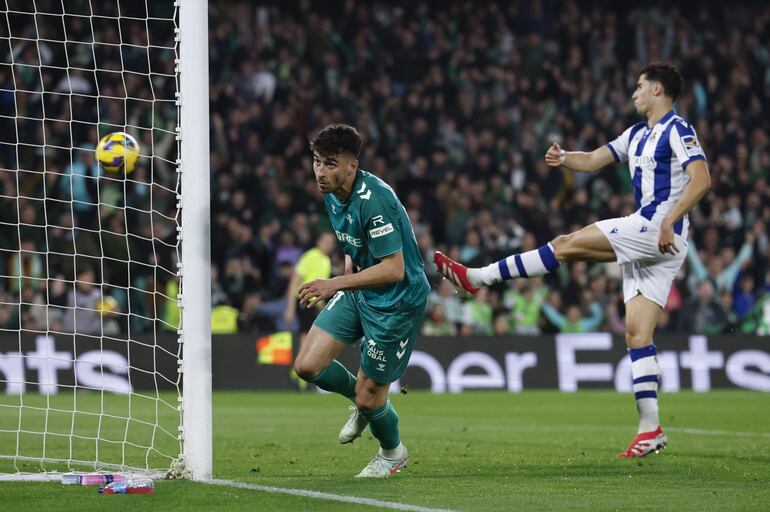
x=475, y=451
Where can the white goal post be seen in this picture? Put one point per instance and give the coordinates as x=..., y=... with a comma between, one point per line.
x=105, y=336
x=196, y=245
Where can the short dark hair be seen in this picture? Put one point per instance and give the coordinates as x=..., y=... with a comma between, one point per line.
x=667, y=74
x=337, y=139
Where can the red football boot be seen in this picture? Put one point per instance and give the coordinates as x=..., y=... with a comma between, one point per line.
x=457, y=273
x=646, y=443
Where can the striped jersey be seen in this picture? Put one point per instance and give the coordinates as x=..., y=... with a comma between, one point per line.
x=657, y=159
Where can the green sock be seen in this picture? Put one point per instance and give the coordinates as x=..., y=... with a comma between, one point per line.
x=383, y=423
x=337, y=379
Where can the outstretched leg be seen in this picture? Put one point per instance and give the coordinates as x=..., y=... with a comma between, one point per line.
x=587, y=244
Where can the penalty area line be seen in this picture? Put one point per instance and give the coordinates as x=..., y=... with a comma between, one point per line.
x=325, y=496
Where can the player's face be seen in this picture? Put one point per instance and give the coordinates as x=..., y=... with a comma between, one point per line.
x=643, y=95
x=331, y=172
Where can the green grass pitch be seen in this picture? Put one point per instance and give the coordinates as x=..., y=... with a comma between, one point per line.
x=537, y=450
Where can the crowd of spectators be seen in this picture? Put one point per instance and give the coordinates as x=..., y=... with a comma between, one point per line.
x=458, y=101
x=80, y=250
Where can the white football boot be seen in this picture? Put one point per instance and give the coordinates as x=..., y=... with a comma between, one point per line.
x=380, y=467
x=354, y=427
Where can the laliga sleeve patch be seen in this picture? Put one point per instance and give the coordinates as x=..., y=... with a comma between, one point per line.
x=691, y=145
x=381, y=231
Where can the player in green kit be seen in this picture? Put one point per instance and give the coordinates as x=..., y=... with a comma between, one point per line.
x=382, y=296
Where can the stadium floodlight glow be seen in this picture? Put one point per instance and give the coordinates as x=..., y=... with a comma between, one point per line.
x=108, y=367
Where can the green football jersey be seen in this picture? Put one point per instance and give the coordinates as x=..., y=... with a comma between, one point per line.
x=373, y=224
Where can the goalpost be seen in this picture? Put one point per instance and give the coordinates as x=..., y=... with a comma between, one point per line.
x=105, y=339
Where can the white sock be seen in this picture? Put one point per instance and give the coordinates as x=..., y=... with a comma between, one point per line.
x=645, y=371
x=529, y=264
x=395, y=453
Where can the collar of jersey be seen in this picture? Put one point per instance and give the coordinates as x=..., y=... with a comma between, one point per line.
x=671, y=113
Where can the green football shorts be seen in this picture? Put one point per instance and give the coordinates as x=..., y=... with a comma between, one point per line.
x=389, y=334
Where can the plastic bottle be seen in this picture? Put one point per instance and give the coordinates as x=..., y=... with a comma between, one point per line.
x=71, y=478
x=130, y=486
x=101, y=478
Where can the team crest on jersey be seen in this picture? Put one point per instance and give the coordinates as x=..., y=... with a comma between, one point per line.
x=349, y=217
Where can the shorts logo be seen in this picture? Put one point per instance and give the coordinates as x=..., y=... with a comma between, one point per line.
x=381, y=231
x=614, y=230
x=372, y=352
x=402, y=344
x=380, y=367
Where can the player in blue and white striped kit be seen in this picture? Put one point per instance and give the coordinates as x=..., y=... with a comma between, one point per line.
x=669, y=175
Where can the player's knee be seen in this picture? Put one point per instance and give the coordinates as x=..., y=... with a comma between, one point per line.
x=635, y=339
x=365, y=403
x=563, y=248
x=304, y=369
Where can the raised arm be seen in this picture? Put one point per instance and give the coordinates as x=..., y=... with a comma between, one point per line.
x=579, y=160
x=553, y=315
x=592, y=322
x=730, y=273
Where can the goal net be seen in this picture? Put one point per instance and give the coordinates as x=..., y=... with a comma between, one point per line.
x=91, y=344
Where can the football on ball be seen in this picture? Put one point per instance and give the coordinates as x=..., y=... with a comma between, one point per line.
x=117, y=153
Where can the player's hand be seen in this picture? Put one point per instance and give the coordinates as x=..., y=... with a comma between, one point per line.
x=553, y=155
x=666, y=242
x=315, y=290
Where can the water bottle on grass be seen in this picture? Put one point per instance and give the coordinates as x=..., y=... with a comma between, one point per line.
x=101, y=478
x=130, y=486
x=71, y=478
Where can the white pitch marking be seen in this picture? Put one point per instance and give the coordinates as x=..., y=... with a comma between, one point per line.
x=736, y=433
x=327, y=496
